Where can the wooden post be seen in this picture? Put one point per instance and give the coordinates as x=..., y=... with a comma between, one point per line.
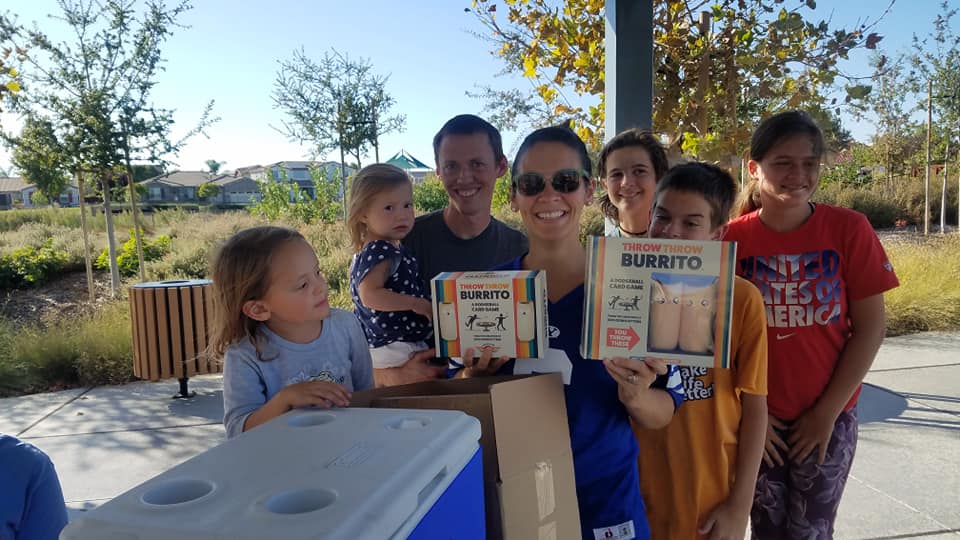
x=105, y=177
x=86, y=240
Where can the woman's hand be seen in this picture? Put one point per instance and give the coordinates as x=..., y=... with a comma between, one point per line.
x=315, y=394
x=634, y=376
x=485, y=364
x=771, y=454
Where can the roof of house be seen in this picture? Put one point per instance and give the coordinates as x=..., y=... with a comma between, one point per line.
x=405, y=160
x=14, y=183
x=227, y=179
x=187, y=178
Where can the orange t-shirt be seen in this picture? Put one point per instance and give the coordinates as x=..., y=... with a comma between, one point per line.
x=688, y=467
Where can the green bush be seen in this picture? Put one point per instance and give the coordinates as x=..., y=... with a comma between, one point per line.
x=30, y=266
x=127, y=260
x=882, y=213
x=429, y=195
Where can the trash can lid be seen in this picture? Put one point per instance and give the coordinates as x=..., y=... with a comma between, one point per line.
x=172, y=284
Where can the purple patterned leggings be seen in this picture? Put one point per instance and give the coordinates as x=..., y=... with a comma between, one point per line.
x=800, y=500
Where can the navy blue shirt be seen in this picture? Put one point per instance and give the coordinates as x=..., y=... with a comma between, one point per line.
x=604, y=447
x=384, y=327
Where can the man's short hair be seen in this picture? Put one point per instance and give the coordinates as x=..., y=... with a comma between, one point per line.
x=468, y=124
x=712, y=183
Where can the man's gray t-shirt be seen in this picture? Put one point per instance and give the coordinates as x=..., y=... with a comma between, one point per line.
x=439, y=250
x=339, y=355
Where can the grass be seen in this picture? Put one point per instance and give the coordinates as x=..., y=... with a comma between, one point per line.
x=928, y=297
x=88, y=350
x=96, y=349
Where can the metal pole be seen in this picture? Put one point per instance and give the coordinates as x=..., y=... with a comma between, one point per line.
x=629, y=65
x=926, y=181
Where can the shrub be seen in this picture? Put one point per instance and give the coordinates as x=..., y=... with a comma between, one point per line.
x=429, y=195
x=127, y=259
x=30, y=266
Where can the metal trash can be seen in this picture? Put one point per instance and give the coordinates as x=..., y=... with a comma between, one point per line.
x=170, y=321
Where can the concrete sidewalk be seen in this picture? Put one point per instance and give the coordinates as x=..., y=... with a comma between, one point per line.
x=905, y=481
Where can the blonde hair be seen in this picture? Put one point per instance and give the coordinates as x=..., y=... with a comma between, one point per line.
x=241, y=272
x=369, y=181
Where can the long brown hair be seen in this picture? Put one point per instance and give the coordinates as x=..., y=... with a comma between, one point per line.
x=625, y=139
x=368, y=182
x=769, y=133
x=241, y=272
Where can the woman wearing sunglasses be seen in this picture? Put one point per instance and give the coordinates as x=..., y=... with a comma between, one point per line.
x=551, y=185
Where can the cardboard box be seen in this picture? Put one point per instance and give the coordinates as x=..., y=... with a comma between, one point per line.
x=506, y=310
x=529, y=485
x=671, y=299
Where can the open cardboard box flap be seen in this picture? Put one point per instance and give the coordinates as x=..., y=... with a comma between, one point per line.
x=527, y=461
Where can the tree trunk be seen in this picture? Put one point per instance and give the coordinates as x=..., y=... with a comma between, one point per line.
x=86, y=240
x=111, y=242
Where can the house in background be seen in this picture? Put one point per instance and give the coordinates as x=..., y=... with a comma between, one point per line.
x=181, y=187
x=417, y=169
x=297, y=172
x=178, y=187
x=14, y=191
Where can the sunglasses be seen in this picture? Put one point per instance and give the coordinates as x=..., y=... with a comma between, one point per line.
x=563, y=181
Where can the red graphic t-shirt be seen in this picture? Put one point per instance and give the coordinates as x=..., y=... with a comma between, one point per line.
x=807, y=278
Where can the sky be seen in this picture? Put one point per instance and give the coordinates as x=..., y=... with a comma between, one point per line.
x=231, y=50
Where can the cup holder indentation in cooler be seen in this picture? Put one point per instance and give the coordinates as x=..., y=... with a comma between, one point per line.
x=177, y=492
x=311, y=419
x=300, y=501
x=408, y=422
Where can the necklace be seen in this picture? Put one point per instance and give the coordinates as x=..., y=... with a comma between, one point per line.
x=631, y=233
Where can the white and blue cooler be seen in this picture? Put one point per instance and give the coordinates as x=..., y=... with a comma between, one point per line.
x=331, y=474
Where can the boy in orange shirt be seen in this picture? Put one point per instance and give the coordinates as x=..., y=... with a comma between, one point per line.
x=698, y=474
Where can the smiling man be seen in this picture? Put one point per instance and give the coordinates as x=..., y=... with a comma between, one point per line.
x=464, y=236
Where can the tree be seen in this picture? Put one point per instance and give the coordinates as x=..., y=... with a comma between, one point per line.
x=429, y=195
x=888, y=106
x=39, y=156
x=97, y=90
x=207, y=190
x=336, y=103
x=213, y=165
x=939, y=63
x=9, y=59
x=719, y=66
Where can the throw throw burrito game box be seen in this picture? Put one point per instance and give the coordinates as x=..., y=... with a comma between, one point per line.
x=506, y=310
x=671, y=299
x=314, y=473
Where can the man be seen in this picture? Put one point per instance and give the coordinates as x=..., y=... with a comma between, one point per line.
x=464, y=236
x=468, y=152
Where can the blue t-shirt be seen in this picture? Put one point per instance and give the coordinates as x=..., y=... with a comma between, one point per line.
x=384, y=327
x=31, y=501
x=604, y=446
